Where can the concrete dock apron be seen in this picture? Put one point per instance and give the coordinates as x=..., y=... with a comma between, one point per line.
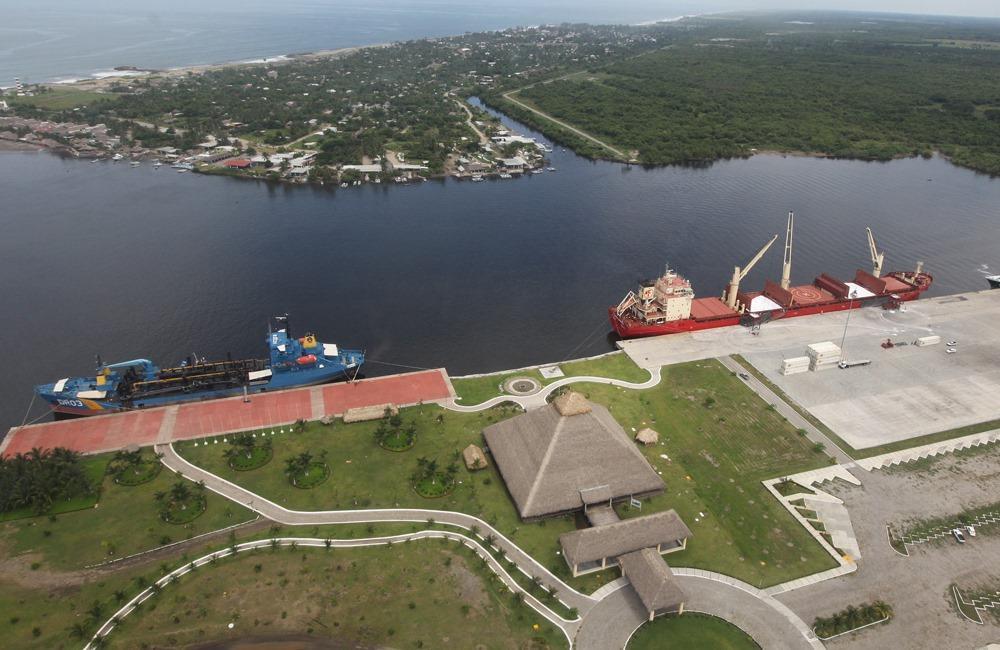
x=608, y=618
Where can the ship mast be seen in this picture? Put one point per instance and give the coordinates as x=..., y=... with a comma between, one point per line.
x=786, y=267
x=877, y=256
x=740, y=273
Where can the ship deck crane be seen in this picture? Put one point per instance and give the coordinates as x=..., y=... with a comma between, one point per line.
x=877, y=256
x=740, y=272
x=786, y=267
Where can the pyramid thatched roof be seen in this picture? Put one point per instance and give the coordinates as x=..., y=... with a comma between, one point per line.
x=547, y=458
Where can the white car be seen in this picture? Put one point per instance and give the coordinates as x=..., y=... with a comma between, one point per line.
x=950, y=351
x=952, y=342
x=959, y=537
x=972, y=530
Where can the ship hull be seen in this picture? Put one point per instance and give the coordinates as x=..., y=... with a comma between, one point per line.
x=86, y=407
x=628, y=328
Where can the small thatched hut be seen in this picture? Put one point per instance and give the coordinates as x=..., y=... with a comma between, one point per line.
x=474, y=458
x=647, y=437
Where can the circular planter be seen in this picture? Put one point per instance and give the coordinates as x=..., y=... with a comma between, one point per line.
x=406, y=447
x=314, y=479
x=193, y=511
x=128, y=477
x=256, y=461
x=521, y=386
x=447, y=490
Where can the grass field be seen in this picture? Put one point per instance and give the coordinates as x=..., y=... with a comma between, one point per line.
x=418, y=594
x=124, y=521
x=690, y=632
x=720, y=438
x=475, y=390
x=52, y=601
x=60, y=98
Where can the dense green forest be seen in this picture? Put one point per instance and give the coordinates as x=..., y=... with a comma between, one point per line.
x=858, y=86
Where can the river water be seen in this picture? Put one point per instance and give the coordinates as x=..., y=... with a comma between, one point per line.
x=103, y=258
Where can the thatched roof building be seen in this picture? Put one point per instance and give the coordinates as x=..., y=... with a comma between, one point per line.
x=566, y=456
x=474, y=458
x=647, y=437
x=653, y=581
x=591, y=549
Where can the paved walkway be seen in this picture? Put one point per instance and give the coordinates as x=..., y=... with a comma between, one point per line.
x=540, y=398
x=116, y=431
x=608, y=617
x=569, y=596
x=568, y=627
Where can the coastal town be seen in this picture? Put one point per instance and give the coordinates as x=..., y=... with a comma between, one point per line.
x=395, y=113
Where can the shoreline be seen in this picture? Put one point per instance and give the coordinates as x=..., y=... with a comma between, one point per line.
x=102, y=79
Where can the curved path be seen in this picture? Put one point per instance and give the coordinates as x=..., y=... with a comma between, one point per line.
x=540, y=398
x=609, y=617
x=613, y=621
x=528, y=565
x=568, y=627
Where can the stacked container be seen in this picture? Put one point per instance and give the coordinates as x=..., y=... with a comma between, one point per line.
x=823, y=356
x=794, y=365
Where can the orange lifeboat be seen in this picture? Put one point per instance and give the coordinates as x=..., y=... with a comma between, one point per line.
x=306, y=360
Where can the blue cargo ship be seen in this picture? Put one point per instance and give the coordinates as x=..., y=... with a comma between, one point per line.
x=136, y=384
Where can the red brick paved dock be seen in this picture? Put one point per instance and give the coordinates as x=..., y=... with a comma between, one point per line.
x=102, y=433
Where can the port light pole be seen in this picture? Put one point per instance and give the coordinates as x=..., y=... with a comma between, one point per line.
x=850, y=307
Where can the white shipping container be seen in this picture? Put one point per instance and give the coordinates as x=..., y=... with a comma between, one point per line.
x=795, y=370
x=824, y=349
x=928, y=340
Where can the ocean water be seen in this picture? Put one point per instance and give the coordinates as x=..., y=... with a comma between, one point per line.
x=52, y=40
x=101, y=258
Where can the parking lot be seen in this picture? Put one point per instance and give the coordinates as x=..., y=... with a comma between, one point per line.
x=917, y=587
x=905, y=392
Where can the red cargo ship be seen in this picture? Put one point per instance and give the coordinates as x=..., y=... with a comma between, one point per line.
x=667, y=305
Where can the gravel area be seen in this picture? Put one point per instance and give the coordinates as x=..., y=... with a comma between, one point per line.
x=917, y=587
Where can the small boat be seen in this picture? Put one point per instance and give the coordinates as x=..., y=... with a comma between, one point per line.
x=135, y=163
x=182, y=171
x=157, y=163
x=994, y=281
x=551, y=169
x=506, y=176
x=117, y=157
x=477, y=179
x=343, y=184
x=536, y=171
x=95, y=160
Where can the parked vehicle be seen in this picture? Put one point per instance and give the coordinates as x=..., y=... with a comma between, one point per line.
x=950, y=351
x=744, y=376
x=959, y=537
x=971, y=529
x=952, y=342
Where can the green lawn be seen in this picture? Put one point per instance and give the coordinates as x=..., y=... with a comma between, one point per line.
x=418, y=594
x=60, y=98
x=53, y=600
x=475, y=390
x=124, y=521
x=718, y=454
x=690, y=632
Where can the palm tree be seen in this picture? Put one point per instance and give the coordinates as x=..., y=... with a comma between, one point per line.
x=180, y=492
x=305, y=460
x=119, y=596
x=78, y=630
x=430, y=470
x=95, y=611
